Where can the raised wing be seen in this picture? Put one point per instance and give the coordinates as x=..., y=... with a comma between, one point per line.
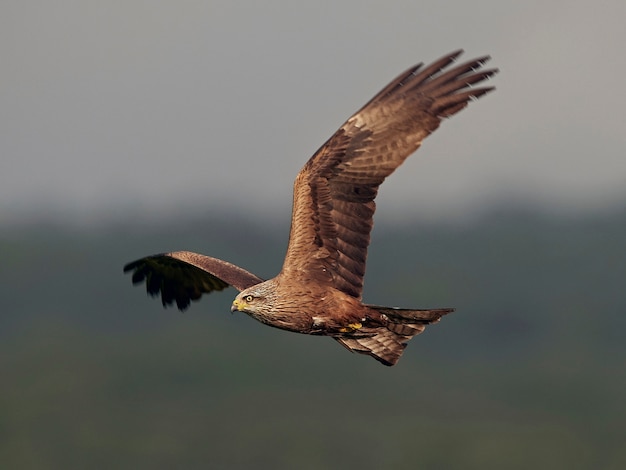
x=334, y=192
x=183, y=276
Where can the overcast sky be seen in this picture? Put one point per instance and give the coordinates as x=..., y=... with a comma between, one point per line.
x=158, y=108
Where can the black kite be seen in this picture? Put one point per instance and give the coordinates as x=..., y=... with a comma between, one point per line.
x=319, y=289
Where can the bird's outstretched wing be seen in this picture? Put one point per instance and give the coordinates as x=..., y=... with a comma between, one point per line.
x=334, y=192
x=183, y=276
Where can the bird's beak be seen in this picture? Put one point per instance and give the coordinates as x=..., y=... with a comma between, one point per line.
x=237, y=306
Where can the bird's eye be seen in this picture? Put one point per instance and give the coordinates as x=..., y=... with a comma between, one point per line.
x=248, y=298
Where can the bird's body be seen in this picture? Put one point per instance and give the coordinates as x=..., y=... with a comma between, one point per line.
x=319, y=289
x=332, y=314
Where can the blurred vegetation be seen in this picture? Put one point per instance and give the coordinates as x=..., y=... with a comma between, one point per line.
x=528, y=373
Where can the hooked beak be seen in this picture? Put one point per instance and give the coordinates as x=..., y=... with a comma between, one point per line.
x=237, y=306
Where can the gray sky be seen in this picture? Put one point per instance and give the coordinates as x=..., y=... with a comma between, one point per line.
x=155, y=108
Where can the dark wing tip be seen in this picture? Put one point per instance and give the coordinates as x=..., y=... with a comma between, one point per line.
x=453, y=89
x=176, y=281
x=183, y=276
x=449, y=84
x=132, y=265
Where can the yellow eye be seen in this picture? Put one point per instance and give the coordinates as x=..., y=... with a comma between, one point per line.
x=248, y=298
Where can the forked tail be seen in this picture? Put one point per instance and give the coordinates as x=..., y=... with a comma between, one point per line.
x=386, y=343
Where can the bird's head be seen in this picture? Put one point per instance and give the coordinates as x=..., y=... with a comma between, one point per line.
x=254, y=300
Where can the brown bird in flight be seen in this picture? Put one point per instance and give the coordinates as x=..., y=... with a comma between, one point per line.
x=319, y=289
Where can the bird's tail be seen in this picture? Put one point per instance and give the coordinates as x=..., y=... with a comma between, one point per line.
x=405, y=315
x=386, y=343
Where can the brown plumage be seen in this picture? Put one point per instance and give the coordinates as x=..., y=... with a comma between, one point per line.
x=319, y=289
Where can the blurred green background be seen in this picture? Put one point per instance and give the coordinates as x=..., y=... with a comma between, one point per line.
x=528, y=373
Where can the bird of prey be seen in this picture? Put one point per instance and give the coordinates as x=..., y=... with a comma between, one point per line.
x=319, y=288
